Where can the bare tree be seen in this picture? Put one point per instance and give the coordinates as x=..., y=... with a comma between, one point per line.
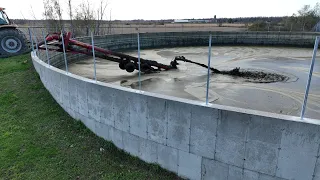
x=58, y=12
x=52, y=14
x=305, y=20
x=303, y=14
x=100, y=13
x=70, y=15
x=32, y=13
x=110, y=24
x=85, y=16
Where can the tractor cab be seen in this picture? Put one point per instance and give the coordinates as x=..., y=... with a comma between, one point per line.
x=4, y=20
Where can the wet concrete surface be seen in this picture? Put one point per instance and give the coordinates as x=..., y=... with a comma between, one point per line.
x=189, y=81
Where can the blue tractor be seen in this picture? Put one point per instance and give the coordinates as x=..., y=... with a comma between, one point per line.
x=12, y=40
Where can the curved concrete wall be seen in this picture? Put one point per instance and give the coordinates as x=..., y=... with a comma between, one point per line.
x=176, y=39
x=186, y=137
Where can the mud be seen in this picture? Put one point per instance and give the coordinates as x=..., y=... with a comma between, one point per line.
x=269, y=79
x=255, y=76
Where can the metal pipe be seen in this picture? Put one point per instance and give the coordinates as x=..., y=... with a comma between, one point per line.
x=104, y=53
x=45, y=43
x=208, y=75
x=139, y=61
x=94, y=58
x=64, y=52
x=316, y=44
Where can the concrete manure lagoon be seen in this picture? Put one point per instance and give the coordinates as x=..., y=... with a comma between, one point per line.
x=182, y=134
x=189, y=81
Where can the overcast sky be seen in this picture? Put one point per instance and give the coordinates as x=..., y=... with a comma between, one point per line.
x=168, y=9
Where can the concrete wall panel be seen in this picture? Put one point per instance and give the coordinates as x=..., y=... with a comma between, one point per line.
x=131, y=144
x=267, y=177
x=106, y=103
x=293, y=164
x=82, y=98
x=102, y=130
x=231, y=138
x=266, y=130
x=250, y=175
x=189, y=165
x=157, y=120
x=299, y=151
x=94, y=108
x=261, y=157
x=149, y=151
x=179, y=115
x=72, y=87
x=117, y=137
x=317, y=169
x=235, y=173
x=214, y=170
x=121, y=111
x=138, y=115
x=65, y=95
x=230, y=150
x=203, y=131
x=168, y=157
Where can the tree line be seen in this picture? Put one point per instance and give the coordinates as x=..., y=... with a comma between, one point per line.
x=83, y=18
x=304, y=20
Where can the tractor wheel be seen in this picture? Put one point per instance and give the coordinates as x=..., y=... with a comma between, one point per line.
x=122, y=65
x=12, y=42
x=145, y=67
x=130, y=67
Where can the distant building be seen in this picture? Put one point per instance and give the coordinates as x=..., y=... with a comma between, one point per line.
x=181, y=21
x=199, y=21
x=194, y=20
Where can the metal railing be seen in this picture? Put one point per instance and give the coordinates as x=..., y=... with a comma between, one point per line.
x=34, y=39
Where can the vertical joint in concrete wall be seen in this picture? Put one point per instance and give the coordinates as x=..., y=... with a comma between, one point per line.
x=215, y=145
x=189, y=143
x=147, y=119
x=167, y=117
x=316, y=171
x=246, y=142
x=278, y=152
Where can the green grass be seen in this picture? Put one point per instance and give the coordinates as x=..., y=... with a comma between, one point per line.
x=38, y=140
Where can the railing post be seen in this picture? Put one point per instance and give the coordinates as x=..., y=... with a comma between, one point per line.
x=36, y=42
x=45, y=43
x=139, y=63
x=64, y=52
x=316, y=44
x=94, y=58
x=37, y=52
x=31, y=40
x=208, y=75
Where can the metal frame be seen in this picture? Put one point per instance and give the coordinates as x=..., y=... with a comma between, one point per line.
x=314, y=55
x=208, y=75
x=94, y=58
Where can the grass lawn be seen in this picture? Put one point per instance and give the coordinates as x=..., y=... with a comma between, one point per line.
x=38, y=140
